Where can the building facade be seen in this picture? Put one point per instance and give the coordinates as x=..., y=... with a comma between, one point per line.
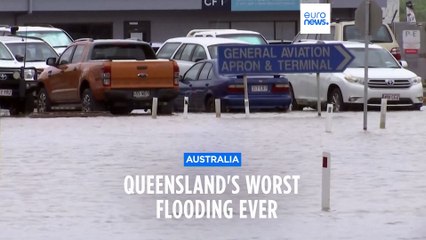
x=158, y=20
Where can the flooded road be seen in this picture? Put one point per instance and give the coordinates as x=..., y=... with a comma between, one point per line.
x=62, y=178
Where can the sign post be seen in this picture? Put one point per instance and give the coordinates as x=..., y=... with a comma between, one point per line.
x=368, y=19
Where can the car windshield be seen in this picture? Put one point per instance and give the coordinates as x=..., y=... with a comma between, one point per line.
x=35, y=51
x=54, y=38
x=350, y=33
x=4, y=53
x=378, y=58
x=246, y=37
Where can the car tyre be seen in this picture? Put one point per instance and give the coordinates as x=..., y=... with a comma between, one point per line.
x=294, y=106
x=43, y=102
x=337, y=100
x=166, y=108
x=210, y=105
x=88, y=102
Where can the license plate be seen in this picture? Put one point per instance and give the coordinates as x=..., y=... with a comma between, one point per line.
x=6, y=92
x=391, y=96
x=259, y=88
x=140, y=94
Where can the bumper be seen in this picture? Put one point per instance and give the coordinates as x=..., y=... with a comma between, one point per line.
x=257, y=102
x=354, y=94
x=127, y=96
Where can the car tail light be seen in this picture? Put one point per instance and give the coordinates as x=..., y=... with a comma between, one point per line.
x=236, y=88
x=175, y=74
x=106, y=76
x=396, y=53
x=280, y=88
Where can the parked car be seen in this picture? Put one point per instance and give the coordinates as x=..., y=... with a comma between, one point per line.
x=387, y=79
x=202, y=84
x=28, y=51
x=188, y=50
x=56, y=37
x=251, y=37
x=108, y=74
x=347, y=31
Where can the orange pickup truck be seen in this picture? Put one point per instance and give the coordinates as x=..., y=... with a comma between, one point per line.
x=114, y=75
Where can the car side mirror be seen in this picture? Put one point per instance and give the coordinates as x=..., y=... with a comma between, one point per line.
x=19, y=58
x=51, y=61
x=403, y=63
x=183, y=80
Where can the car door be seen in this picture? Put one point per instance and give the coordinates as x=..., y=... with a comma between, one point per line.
x=59, y=87
x=201, y=86
x=190, y=85
x=73, y=72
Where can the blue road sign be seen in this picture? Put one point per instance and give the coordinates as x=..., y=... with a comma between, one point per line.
x=293, y=58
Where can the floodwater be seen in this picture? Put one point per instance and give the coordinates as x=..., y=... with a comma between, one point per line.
x=62, y=178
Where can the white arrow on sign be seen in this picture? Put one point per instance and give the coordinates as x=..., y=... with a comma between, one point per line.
x=346, y=58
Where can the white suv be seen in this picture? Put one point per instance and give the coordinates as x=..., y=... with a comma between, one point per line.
x=186, y=51
x=387, y=79
x=251, y=37
x=347, y=31
x=29, y=52
x=56, y=37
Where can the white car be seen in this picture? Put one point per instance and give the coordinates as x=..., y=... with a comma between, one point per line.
x=387, y=79
x=186, y=51
x=56, y=37
x=28, y=52
x=248, y=36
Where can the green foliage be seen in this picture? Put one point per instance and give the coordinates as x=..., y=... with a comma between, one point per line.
x=419, y=10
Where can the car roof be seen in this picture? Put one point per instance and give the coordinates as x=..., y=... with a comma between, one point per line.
x=18, y=39
x=227, y=31
x=205, y=40
x=31, y=28
x=349, y=44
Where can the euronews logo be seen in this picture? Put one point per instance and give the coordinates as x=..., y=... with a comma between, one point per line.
x=315, y=18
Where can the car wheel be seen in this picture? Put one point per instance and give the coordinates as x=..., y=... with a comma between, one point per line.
x=337, y=100
x=166, y=109
x=88, y=102
x=43, y=101
x=294, y=106
x=210, y=105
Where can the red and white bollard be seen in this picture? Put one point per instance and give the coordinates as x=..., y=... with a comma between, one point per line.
x=326, y=181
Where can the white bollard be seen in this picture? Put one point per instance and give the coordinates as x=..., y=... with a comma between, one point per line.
x=329, y=118
x=217, y=107
x=383, y=108
x=247, y=107
x=326, y=181
x=185, y=107
x=154, y=107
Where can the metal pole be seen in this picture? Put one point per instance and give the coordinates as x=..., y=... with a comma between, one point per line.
x=319, y=98
x=367, y=40
x=154, y=107
x=246, y=101
x=217, y=107
x=185, y=107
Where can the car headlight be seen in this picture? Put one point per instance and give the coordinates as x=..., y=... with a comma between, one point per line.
x=29, y=74
x=416, y=80
x=353, y=79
